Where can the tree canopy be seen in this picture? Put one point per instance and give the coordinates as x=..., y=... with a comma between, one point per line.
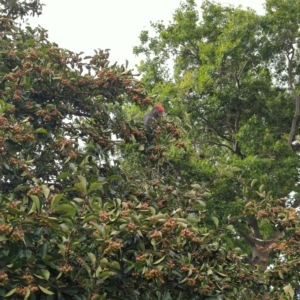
x=89, y=209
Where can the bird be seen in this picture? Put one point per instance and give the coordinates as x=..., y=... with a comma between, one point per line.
x=152, y=118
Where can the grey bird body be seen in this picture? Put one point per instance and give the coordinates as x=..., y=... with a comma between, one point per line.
x=151, y=119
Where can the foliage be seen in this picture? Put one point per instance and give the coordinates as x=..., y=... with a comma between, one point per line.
x=88, y=205
x=235, y=77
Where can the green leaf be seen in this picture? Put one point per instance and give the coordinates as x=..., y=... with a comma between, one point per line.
x=115, y=265
x=231, y=228
x=46, y=190
x=159, y=261
x=153, y=243
x=261, y=188
x=45, y=273
x=216, y=221
x=80, y=187
x=27, y=294
x=253, y=182
x=41, y=130
x=83, y=182
x=45, y=291
x=38, y=276
x=167, y=296
x=21, y=188
x=92, y=257
x=64, y=175
x=95, y=186
x=196, y=186
x=78, y=200
x=221, y=274
x=91, y=217
x=184, y=280
x=289, y=291
x=200, y=205
x=56, y=199
x=235, y=169
x=114, y=177
x=206, y=195
x=66, y=209
x=16, y=211
x=72, y=292
x=11, y=292
x=33, y=208
x=123, y=227
x=105, y=274
x=62, y=249
x=44, y=249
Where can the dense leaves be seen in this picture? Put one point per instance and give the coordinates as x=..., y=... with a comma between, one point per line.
x=89, y=209
x=235, y=76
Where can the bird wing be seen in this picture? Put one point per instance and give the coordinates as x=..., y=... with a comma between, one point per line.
x=148, y=120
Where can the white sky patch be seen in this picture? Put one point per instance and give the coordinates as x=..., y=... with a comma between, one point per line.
x=80, y=25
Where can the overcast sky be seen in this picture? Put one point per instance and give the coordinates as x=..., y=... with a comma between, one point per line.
x=85, y=25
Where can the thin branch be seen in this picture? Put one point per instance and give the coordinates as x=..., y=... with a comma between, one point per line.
x=213, y=127
x=221, y=145
x=296, y=97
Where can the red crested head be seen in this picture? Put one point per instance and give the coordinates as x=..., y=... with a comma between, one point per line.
x=159, y=108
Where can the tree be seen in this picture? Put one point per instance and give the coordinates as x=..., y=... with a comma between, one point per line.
x=86, y=206
x=76, y=218
x=226, y=70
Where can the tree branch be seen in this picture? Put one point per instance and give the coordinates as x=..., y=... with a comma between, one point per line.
x=296, y=97
x=254, y=225
x=213, y=127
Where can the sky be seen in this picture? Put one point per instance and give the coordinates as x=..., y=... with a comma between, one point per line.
x=85, y=25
